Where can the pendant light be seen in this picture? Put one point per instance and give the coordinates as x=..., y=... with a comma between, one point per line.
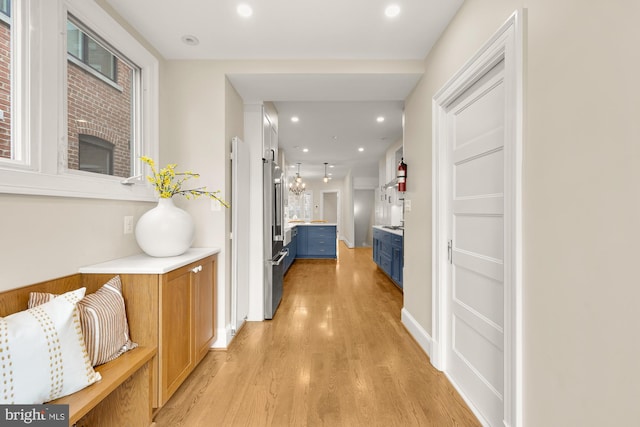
x=326, y=178
x=297, y=187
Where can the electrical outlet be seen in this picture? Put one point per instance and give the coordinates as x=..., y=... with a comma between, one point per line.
x=215, y=205
x=128, y=225
x=407, y=205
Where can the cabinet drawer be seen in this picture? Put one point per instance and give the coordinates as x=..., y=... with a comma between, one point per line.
x=377, y=234
x=317, y=232
x=396, y=241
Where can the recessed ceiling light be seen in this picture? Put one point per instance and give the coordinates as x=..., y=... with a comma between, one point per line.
x=295, y=119
x=360, y=149
x=380, y=119
x=244, y=10
x=305, y=150
x=392, y=10
x=331, y=166
x=190, y=40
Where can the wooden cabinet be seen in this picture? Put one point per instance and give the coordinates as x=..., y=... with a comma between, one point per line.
x=180, y=294
x=205, y=321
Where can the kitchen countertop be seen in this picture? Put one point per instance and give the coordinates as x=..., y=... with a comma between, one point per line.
x=313, y=224
x=145, y=264
x=389, y=230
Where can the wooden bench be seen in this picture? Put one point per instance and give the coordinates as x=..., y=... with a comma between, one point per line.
x=123, y=396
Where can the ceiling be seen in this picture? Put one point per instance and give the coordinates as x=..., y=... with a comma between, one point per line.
x=342, y=105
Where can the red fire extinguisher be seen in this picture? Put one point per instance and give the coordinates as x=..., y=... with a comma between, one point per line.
x=402, y=176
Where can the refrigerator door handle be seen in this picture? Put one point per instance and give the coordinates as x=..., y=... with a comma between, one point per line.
x=278, y=210
x=281, y=256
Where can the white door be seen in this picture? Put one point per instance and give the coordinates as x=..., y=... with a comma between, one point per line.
x=475, y=352
x=240, y=232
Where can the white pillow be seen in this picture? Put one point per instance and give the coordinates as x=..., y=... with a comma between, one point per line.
x=42, y=353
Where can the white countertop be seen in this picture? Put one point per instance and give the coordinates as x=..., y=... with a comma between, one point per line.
x=388, y=230
x=313, y=224
x=145, y=264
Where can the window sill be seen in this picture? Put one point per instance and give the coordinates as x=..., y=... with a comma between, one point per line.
x=73, y=185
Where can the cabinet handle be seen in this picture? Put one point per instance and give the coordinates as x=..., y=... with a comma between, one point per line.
x=197, y=269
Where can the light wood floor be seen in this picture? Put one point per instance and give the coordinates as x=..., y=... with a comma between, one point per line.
x=336, y=354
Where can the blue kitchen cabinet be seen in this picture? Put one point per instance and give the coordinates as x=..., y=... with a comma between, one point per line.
x=317, y=241
x=302, y=241
x=388, y=254
x=293, y=249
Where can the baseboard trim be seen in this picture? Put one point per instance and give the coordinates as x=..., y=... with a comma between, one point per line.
x=223, y=338
x=418, y=333
x=468, y=401
x=346, y=242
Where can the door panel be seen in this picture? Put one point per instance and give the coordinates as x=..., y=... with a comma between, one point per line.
x=480, y=235
x=480, y=293
x=472, y=179
x=475, y=358
x=480, y=353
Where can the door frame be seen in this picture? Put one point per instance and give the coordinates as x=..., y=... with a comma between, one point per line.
x=506, y=44
x=338, y=210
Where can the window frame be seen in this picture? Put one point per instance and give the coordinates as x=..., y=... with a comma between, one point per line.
x=39, y=79
x=85, y=35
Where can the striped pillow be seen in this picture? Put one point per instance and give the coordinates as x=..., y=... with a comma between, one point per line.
x=103, y=319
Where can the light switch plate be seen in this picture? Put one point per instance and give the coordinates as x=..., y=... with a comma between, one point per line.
x=407, y=205
x=128, y=225
x=215, y=205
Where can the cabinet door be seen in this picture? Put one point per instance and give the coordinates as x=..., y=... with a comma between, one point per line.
x=205, y=302
x=396, y=265
x=177, y=357
x=294, y=247
x=302, y=241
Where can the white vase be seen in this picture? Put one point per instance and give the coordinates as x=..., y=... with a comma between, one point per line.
x=165, y=230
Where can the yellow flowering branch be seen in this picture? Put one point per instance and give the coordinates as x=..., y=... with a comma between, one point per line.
x=168, y=183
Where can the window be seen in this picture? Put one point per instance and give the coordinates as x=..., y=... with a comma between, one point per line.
x=95, y=154
x=6, y=150
x=89, y=51
x=5, y=7
x=96, y=106
x=79, y=113
x=300, y=207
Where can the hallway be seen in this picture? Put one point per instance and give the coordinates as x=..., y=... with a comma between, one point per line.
x=335, y=354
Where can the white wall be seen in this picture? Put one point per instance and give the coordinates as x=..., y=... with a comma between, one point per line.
x=581, y=204
x=347, y=233
x=47, y=237
x=197, y=124
x=317, y=186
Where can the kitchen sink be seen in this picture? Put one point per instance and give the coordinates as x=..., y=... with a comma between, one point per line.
x=393, y=227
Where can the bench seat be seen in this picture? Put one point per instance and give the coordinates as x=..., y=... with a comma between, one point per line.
x=120, y=398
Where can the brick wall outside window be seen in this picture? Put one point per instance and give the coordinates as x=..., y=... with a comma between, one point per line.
x=99, y=109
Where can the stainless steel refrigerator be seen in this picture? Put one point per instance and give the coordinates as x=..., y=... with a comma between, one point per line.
x=274, y=253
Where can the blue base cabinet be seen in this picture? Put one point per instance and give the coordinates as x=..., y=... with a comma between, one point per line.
x=293, y=250
x=388, y=253
x=317, y=241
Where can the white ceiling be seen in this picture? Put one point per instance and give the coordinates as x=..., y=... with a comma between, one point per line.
x=342, y=106
x=328, y=105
